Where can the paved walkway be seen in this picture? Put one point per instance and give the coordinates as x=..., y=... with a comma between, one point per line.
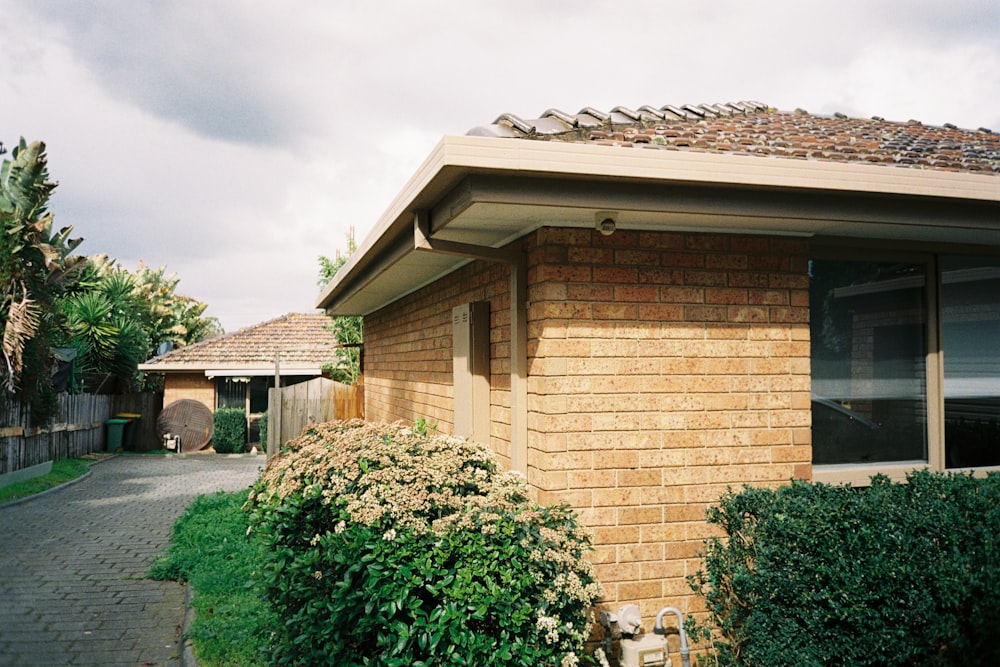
x=72, y=562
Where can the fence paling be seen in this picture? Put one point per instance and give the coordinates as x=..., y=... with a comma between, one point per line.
x=78, y=430
x=291, y=409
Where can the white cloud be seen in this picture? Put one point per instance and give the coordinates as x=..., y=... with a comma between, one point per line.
x=236, y=141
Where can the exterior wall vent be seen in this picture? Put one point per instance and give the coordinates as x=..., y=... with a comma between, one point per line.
x=471, y=357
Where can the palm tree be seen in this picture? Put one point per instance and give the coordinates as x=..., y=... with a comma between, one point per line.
x=35, y=266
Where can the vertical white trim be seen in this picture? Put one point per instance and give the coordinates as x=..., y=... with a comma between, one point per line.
x=935, y=369
x=519, y=366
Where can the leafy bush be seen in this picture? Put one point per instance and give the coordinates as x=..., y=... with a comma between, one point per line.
x=210, y=549
x=896, y=574
x=263, y=429
x=229, y=430
x=391, y=547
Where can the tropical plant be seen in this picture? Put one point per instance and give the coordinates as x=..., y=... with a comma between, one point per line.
x=116, y=319
x=35, y=267
x=110, y=343
x=347, y=329
x=168, y=316
x=50, y=298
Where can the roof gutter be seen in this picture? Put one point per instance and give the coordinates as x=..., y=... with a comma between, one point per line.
x=455, y=158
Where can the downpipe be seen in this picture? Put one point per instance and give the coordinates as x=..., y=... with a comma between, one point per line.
x=660, y=630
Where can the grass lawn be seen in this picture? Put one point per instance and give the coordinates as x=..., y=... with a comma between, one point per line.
x=63, y=470
x=210, y=549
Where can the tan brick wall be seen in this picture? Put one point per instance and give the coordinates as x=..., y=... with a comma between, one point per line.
x=663, y=367
x=408, y=352
x=196, y=386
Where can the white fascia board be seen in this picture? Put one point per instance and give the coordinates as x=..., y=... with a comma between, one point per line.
x=231, y=371
x=257, y=372
x=554, y=157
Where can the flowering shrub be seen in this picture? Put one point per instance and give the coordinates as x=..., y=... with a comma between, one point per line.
x=396, y=547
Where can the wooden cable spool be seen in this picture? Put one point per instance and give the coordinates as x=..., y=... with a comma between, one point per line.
x=190, y=420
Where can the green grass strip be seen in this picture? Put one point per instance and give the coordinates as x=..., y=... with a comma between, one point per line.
x=210, y=549
x=63, y=470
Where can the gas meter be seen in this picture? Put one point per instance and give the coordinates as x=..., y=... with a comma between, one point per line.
x=645, y=651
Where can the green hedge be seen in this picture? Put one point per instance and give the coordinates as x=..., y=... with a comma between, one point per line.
x=391, y=546
x=895, y=574
x=229, y=432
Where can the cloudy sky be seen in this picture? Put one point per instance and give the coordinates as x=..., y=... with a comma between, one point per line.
x=235, y=141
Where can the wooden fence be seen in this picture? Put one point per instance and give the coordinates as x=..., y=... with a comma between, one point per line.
x=79, y=429
x=290, y=409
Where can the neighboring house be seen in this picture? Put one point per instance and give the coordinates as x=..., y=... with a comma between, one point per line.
x=641, y=308
x=237, y=369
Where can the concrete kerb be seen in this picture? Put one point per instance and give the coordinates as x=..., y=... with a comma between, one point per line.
x=188, y=658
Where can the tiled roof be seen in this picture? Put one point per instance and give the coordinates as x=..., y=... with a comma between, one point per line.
x=301, y=339
x=752, y=128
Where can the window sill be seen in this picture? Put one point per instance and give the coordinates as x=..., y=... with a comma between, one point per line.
x=860, y=474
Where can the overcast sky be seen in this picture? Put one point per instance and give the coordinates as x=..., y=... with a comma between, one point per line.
x=235, y=141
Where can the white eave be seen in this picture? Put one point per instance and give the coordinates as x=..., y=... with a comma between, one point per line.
x=490, y=191
x=257, y=372
x=230, y=370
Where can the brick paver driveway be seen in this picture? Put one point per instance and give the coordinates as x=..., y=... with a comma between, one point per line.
x=72, y=562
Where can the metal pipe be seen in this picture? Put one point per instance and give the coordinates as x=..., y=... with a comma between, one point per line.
x=659, y=630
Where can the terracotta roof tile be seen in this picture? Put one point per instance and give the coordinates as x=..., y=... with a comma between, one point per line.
x=302, y=339
x=752, y=128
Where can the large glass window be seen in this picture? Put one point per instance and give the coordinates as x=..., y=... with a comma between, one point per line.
x=970, y=342
x=869, y=349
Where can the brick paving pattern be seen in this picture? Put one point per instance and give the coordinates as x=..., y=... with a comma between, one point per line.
x=72, y=562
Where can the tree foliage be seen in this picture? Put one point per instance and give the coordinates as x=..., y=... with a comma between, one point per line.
x=51, y=298
x=348, y=329
x=35, y=267
x=117, y=319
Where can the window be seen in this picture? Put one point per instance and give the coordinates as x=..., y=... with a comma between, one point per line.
x=869, y=347
x=905, y=363
x=231, y=392
x=970, y=338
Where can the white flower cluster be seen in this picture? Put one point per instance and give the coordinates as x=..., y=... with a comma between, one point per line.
x=569, y=660
x=380, y=472
x=396, y=480
x=550, y=626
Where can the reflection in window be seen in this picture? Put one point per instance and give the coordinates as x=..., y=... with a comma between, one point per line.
x=869, y=344
x=970, y=335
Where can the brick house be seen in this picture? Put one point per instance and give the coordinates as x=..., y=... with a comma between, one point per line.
x=237, y=369
x=640, y=308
